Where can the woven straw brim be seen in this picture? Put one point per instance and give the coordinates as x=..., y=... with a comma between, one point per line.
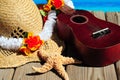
x=18, y=17
x=17, y=59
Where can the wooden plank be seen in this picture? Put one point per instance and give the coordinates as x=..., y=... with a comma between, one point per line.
x=118, y=63
x=115, y=18
x=26, y=73
x=6, y=74
x=92, y=73
x=118, y=69
x=118, y=17
x=112, y=17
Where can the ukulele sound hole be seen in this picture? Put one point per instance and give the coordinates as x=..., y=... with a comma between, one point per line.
x=79, y=19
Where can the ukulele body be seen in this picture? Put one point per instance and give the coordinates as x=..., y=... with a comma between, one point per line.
x=97, y=41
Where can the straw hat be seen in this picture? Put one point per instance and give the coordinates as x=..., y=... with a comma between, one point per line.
x=16, y=18
x=19, y=16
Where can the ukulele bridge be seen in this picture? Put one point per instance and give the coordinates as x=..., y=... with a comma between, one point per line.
x=101, y=33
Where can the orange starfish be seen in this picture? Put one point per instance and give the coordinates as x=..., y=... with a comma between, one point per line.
x=56, y=61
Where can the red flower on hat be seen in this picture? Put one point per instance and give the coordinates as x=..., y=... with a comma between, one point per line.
x=56, y=3
x=30, y=44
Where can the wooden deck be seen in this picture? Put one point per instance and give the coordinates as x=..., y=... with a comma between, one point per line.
x=111, y=72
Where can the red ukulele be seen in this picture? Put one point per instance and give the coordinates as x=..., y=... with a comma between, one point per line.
x=97, y=41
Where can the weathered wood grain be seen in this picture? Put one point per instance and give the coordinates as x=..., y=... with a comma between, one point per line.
x=92, y=73
x=6, y=74
x=115, y=18
x=118, y=63
x=26, y=73
x=118, y=69
x=112, y=17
